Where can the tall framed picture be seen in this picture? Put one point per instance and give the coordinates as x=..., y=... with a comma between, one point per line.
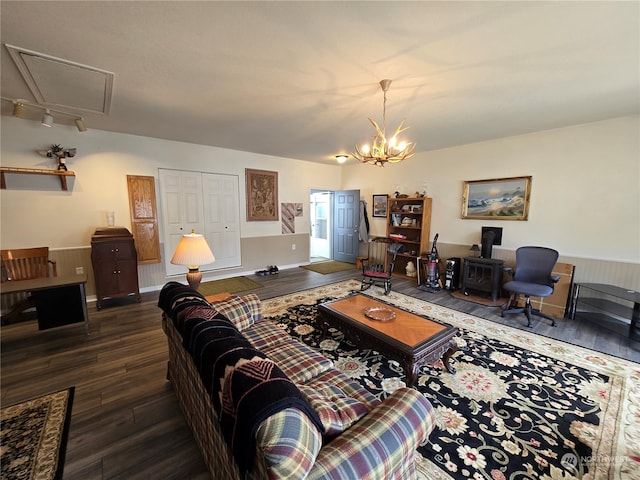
x=380, y=205
x=262, y=195
x=497, y=199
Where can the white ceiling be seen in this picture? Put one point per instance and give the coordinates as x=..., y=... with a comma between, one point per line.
x=299, y=79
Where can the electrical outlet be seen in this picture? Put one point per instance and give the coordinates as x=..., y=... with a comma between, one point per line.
x=79, y=270
x=293, y=246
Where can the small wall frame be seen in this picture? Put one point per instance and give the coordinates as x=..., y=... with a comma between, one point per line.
x=497, y=199
x=262, y=195
x=380, y=202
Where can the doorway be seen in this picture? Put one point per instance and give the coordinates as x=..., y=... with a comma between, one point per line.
x=334, y=220
x=320, y=221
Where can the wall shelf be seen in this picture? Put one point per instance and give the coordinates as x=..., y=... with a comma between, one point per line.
x=63, y=174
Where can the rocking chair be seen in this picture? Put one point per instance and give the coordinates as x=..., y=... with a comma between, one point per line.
x=377, y=268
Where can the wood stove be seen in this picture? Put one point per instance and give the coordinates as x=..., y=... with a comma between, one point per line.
x=482, y=276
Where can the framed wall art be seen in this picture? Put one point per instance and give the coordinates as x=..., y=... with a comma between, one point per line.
x=262, y=195
x=380, y=205
x=497, y=199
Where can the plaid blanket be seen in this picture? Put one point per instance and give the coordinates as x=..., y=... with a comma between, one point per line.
x=245, y=386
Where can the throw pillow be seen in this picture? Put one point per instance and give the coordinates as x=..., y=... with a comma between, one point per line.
x=241, y=310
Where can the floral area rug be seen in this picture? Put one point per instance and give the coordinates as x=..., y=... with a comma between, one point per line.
x=520, y=406
x=34, y=437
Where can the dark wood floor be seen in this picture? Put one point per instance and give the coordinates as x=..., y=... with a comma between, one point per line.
x=126, y=422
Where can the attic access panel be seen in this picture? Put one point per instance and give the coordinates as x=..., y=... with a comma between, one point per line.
x=57, y=82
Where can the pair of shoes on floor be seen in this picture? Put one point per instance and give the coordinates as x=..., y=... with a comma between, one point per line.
x=271, y=270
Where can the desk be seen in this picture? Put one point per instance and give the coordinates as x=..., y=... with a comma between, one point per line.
x=59, y=300
x=608, y=302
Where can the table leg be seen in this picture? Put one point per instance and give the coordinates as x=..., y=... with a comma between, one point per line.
x=85, y=313
x=453, y=348
x=574, y=301
x=635, y=318
x=411, y=371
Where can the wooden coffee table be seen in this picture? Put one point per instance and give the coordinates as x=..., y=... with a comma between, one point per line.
x=411, y=339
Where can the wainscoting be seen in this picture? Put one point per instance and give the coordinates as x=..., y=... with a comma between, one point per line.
x=152, y=276
x=254, y=257
x=623, y=274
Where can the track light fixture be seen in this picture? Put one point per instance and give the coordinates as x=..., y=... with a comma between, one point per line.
x=80, y=124
x=20, y=108
x=47, y=119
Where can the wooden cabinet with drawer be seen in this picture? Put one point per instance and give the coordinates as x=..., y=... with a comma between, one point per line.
x=115, y=264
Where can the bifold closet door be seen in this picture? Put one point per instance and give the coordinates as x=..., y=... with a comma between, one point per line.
x=206, y=203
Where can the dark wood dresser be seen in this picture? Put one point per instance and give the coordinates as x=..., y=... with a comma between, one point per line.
x=115, y=264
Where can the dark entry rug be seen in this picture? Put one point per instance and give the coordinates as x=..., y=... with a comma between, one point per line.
x=228, y=285
x=329, y=267
x=520, y=406
x=34, y=437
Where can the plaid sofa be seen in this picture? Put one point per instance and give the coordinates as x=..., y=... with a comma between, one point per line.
x=363, y=437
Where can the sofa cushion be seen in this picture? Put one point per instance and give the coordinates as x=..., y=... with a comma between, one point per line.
x=298, y=361
x=266, y=333
x=241, y=310
x=289, y=442
x=346, y=385
x=336, y=410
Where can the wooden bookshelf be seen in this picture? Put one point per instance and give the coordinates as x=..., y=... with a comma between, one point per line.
x=412, y=230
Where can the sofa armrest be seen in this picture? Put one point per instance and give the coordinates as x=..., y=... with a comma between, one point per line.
x=381, y=444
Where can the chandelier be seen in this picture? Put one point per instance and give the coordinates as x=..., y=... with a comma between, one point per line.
x=381, y=150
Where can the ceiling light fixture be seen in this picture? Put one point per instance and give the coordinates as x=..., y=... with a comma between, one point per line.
x=381, y=151
x=20, y=109
x=80, y=124
x=47, y=119
x=341, y=158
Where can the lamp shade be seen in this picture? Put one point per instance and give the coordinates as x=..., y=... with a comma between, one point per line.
x=192, y=251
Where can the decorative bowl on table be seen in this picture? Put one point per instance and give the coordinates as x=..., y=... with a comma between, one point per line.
x=380, y=314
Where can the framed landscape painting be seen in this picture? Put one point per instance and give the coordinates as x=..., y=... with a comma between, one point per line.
x=262, y=195
x=497, y=199
x=380, y=205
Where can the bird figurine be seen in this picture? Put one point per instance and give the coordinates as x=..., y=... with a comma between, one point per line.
x=401, y=195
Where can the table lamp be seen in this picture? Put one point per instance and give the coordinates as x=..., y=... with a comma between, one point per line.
x=193, y=251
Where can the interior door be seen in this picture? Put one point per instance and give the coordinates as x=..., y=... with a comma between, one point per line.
x=182, y=210
x=222, y=218
x=346, y=219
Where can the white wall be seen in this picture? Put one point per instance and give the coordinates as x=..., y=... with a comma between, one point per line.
x=585, y=198
x=45, y=215
x=585, y=195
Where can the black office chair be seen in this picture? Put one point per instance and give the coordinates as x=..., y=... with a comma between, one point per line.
x=377, y=268
x=532, y=278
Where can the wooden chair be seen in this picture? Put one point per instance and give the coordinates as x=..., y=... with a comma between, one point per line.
x=377, y=268
x=25, y=264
